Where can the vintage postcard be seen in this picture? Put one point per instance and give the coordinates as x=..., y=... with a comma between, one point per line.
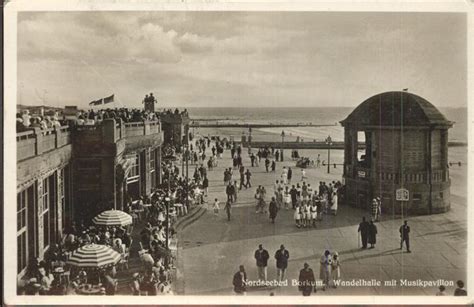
x=224, y=152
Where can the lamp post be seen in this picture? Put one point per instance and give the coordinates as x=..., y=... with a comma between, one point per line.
x=329, y=143
x=282, y=142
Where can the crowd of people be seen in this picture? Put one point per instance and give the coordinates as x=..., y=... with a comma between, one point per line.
x=26, y=121
x=53, y=275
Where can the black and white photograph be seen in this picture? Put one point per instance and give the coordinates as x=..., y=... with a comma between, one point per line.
x=241, y=153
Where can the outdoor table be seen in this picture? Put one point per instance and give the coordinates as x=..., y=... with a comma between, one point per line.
x=91, y=290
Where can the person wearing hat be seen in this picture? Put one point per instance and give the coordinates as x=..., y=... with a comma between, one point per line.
x=306, y=280
x=261, y=256
x=239, y=281
x=282, y=255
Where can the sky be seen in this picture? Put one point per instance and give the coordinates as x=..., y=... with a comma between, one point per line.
x=239, y=59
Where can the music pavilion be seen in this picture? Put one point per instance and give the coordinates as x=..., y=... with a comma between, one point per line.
x=395, y=141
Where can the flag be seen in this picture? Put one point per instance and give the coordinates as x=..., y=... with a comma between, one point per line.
x=109, y=99
x=95, y=102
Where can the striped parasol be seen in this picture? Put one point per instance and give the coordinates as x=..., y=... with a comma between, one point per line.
x=94, y=256
x=113, y=218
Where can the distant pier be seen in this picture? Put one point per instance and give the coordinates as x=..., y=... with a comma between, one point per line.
x=216, y=124
x=314, y=145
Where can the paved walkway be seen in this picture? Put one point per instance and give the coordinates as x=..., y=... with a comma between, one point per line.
x=211, y=249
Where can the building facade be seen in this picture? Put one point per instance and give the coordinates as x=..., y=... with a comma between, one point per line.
x=71, y=174
x=405, y=141
x=175, y=129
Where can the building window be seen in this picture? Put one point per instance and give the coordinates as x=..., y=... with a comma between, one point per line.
x=45, y=213
x=416, y=196
x=134, y=174
x=21, y=228
x=441, y=195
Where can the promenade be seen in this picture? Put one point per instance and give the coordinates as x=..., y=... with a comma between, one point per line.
x=211, y=249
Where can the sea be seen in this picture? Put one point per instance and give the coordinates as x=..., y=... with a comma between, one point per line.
x=330, y=116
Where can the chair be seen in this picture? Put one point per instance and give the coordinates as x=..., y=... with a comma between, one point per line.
x=123, y=263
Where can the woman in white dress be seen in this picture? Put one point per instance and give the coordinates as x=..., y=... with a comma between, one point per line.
x=314, y=213
x=334, y=204
x=307, y=209
x=287, y=198
x=297, y=217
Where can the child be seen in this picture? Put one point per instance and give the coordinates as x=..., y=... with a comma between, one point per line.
x=297, y=217
x=216, y=207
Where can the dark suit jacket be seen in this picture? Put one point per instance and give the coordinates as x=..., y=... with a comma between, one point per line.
x=262, y=257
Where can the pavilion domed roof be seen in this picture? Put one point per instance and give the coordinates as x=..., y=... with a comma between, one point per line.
x=396, y=109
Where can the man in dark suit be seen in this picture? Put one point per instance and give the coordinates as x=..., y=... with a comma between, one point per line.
x=405, y=236
x=364, y=232
x=281, y=256
x=261, y=255
x=239, y=281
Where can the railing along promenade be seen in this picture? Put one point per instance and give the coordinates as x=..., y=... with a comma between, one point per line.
x=37, y=141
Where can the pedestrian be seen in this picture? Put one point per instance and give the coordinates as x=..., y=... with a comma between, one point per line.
x=307, y=282
x=294, y=194
x=379, y=208
x=252, y=160
x=205, y=185
x=374, y=209
x=273, y=165
x=261, y=256
x=267, y=164
x=287, y=198
x=281, y=256
x=273, y=209
x=307, y=214
x=303, y=174
x=229, y=191
x=372, y=235
x=239, y=281
x=335, y=269
x=227, y=209
x=297, y=217
x=314, y=213
x=441, y=291
x=216, y=207
x=364, y=231
x=284, y=175
x=234, y=190
x=277, y=155
x=242, y=180
x=460, y=291
x=325, y=263
x=405, y=236
x=290, y=175
x=248, y=174
x=319, y=208
x=334, y=202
